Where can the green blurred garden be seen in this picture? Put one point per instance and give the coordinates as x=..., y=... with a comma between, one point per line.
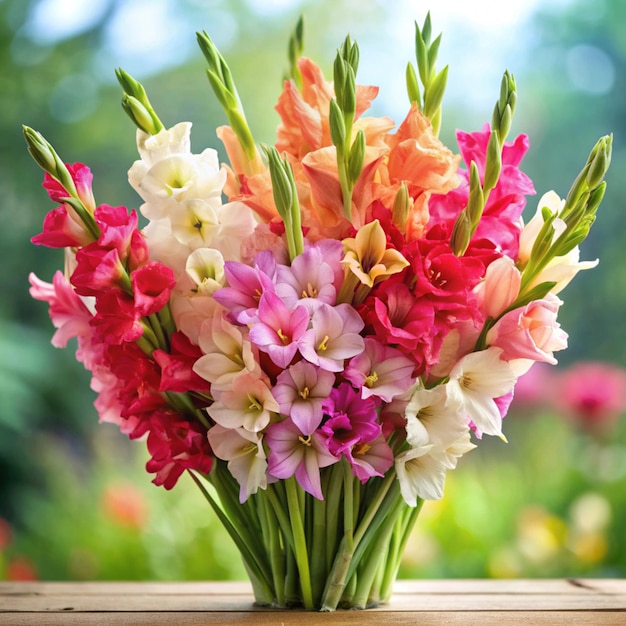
x=75, y=500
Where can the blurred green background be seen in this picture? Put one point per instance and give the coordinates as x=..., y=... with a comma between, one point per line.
x=75, y=502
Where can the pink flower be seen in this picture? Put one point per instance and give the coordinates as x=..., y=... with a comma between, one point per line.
x=593, y=393
x=308, y=280
x=380, y=371
x=500, y=288
x=334, y=337
x=530, y=332
x=67, y=311
x=246, y=286
x=292, y=453
x=248, y=403
x=300, y=392
x=278, y=329
x=82, y=177
x=61, y=229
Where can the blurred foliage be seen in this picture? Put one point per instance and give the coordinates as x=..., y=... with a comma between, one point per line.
x=56, y=465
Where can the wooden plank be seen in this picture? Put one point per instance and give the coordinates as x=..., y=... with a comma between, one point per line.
x=472, y=602
x=391, y=618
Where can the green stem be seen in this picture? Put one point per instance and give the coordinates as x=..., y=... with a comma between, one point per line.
x=256, y=569
x=299, y=541
x=271, y=531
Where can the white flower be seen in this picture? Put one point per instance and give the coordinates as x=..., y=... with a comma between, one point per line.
x=431, y=419
x=245, y=455
x=420, y=475
x=475, y=381
x=560, y=269
x=205, y=266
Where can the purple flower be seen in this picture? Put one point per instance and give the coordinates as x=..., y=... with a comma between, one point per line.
x=292, y=453
x=352, y=430
x=333, y=337
x=246, y=286
x=300, y=391
x=278, y=329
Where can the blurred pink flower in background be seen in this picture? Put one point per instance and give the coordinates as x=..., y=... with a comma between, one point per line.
x=535, y=386
x=592, y=393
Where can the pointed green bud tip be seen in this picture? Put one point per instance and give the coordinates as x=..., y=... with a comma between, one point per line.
x=356, y=157
x=337, y=125
x=461, y=234
x=40, y=150
x=599, y=161
x=401, y=207
x=139, y=114
x=281, y=185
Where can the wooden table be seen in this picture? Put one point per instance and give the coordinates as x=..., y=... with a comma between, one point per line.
x=593, y=602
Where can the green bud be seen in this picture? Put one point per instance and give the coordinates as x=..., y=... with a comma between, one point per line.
x=476, y=201
x=421, y=55
x=337, y=126
x=139, y=114
x=401, y=207
x=295, y=49
x=427, y=29
x=493, y=163
x=356, y=158
x=461, y=233
x=433, y=51
x=412, y=86
x=281, y=187
x=41, y=151
x=595, y=198
x=136, y=104
x=599, y=161
x=433, y=96
x=349, y=93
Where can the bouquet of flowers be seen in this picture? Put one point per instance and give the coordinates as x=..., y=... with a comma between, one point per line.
x=317, y=331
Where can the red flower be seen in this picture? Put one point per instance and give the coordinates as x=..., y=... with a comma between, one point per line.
x=152, y=285
x=176, y=445
x=116, y=320
x=176, y=367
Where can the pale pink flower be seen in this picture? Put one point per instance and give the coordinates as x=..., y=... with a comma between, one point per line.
x=380, y=371
x=307, y=281
x=333, y=338
x=300, y=391
x=245, y=455
x=248, y=403
x=500, y=287
x=227, y=353
x=292, y=453
x=530, y=332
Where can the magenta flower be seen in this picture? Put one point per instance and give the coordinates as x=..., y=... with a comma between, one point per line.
x=300, y=391
x=380, y=371
x=351, y=430
x=333, y=337
x=246, y=286
x=308, y=281
x=292, y=453
x=278, y=328
x=593, y=393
